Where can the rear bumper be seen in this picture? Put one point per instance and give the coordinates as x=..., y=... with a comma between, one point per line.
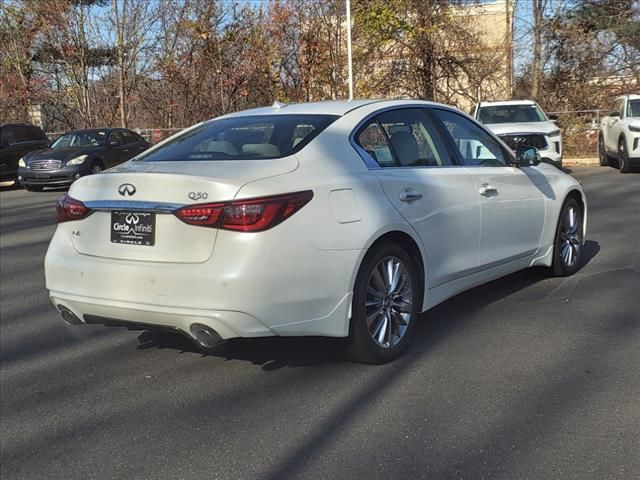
x=277, y=285
x=228, y=324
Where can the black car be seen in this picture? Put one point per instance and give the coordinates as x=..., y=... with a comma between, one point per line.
x=79, y=153
x=16, y=140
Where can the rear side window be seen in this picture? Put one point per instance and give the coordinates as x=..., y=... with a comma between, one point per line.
x=6, y=136
x=412, y=138
x=374, y=141
x=116, y=136
x=243, y=138
x=23, y=133
x=38, y=134
x=403, y=138
x=130, y=137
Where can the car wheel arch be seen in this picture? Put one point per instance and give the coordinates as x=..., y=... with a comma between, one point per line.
x=409, y=242
x=578, y=196
x=622, y=139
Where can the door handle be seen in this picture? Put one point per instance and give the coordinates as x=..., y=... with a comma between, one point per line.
x=409, y=195
x=487, y=190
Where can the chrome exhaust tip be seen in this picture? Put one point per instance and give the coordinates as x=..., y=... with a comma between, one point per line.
x=205, y=337
x=68, y=316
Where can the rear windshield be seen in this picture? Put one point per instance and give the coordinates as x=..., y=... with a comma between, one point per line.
x=243, y=138
x=511, y=114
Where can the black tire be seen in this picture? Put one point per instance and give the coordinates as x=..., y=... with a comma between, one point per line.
x=96, y=168
x=33, y=188
x=362, y=346
x=566, y=263
x=602, y=152
x=623, y=157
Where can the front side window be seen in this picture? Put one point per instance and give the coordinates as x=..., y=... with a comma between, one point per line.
x=80, y=139
x=633, y=108
x=476, y=147
x=511, y=114
x=243, y=138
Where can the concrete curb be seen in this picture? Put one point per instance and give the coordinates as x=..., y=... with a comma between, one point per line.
x=587, y=161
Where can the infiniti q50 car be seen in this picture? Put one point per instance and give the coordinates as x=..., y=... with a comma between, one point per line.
x=338, y=219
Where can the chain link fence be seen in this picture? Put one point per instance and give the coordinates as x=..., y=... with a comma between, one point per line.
x=579, y=132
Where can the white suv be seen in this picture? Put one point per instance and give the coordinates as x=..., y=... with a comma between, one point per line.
x=619, y=137
x=522, y=122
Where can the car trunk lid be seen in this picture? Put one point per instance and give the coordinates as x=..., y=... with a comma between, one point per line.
x=134, y=203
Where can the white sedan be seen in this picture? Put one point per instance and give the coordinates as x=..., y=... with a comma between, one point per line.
x=339, y=219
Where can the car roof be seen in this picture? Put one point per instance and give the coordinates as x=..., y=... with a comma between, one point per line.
x=507, y=102
x=631, y=96
x=18, y=124
x=331, y=107
x=88, y=130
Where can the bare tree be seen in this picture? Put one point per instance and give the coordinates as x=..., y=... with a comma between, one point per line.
x=133, y=22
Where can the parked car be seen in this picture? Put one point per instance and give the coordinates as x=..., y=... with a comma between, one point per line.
x=619, y=136
x=339, y=219
x=522, y=122
x=16, y=140
x=78, y=153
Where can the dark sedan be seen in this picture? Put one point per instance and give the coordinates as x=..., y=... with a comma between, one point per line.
x=76, y=154
x=16, y=140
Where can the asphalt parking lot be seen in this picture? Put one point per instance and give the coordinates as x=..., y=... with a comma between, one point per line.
x=528, y=377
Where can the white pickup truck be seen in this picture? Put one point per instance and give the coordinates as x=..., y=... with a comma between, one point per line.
x=619, y=137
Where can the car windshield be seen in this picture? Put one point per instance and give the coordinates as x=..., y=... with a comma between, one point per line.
x=633, y=109
x=242, y=138
x=80, y=139
x=511, y=114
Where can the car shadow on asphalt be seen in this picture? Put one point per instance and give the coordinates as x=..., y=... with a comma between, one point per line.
x=273, y=353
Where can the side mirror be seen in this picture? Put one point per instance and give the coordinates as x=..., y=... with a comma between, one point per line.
x=614, y=114
x=114, y=143
x=527, y=156
x=553, y=118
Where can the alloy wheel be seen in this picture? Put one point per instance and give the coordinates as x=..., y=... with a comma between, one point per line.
x=570, y=237
x=601, y=153
x=388, y=304
x=622, y=156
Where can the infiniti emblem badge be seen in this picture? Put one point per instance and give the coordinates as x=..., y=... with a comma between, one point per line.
x=126, y=190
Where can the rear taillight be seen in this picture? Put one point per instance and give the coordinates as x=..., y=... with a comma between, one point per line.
x=252, y=215
x=68, y=208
